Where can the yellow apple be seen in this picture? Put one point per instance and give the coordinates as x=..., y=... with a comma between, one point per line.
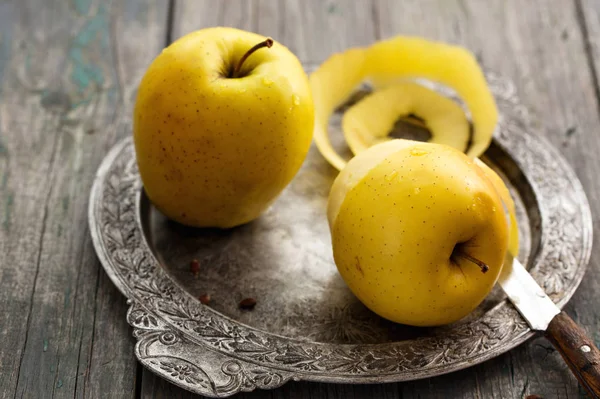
x=418, y=230
x=509, y=204
x=223, y=121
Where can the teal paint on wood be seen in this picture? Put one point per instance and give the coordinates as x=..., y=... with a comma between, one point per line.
x=86, y=74
x=82, y=6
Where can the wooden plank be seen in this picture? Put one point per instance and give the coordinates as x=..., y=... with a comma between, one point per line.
x=311, y=29
x=68, y=75
x=204, y=14
x=314, y=30
x=24, y=189
x=588, y=13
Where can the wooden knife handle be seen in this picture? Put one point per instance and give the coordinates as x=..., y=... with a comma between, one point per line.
x=578, y=350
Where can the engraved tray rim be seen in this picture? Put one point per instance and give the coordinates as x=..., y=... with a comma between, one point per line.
x=201, y=350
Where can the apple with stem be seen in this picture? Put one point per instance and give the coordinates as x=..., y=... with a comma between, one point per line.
x=223, y=120
x=419, y=231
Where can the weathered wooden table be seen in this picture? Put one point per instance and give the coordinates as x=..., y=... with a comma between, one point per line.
x=69, y=71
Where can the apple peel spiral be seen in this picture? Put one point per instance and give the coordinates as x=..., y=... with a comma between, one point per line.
x=394, y=60
x=369, y=121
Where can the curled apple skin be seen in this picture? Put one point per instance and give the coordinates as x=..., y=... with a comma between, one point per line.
x=400, y=58
x=369, y=121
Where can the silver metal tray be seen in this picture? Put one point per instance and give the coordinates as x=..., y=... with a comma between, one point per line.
x=307, y=325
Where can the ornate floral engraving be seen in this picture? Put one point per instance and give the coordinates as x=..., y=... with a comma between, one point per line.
x=164, y=316
x=184, y=373
x=242, y=379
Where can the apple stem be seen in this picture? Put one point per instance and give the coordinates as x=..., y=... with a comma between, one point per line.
x=268, y=42
x=484, y=268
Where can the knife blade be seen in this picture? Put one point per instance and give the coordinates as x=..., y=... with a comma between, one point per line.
x=527, y=296
x=541, y=314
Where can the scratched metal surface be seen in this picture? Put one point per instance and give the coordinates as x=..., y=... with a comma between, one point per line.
x=284, y=261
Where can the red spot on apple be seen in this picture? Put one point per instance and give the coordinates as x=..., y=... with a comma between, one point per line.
x=358, y=267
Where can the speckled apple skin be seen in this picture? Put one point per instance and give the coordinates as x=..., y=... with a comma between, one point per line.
x=396, y=231
x=215, y=151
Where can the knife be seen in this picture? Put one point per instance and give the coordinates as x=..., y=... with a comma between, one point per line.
x=538, y=310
